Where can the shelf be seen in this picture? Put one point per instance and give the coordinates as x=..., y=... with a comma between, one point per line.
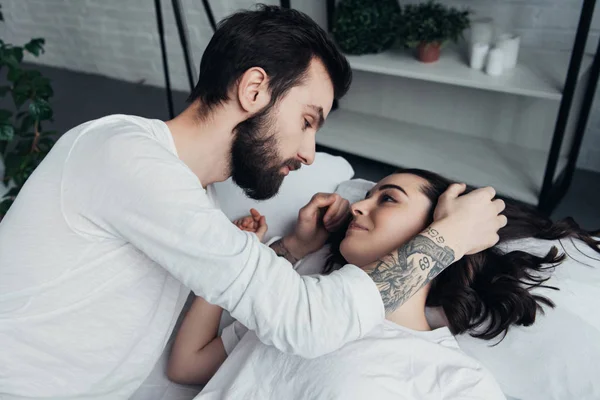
x=540, y=74
x=513, y=171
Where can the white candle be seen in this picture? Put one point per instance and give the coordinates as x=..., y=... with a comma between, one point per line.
x=479, y=51
x=495, y=62
x=482, y=31
x=509, y=44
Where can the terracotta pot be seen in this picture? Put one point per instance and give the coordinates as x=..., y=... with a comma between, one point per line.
x=428, y=52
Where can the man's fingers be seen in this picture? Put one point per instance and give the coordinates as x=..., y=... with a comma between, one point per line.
x=334, y=226
x=334, y=210
x=321, y=200
x=318, y=201
x=341, y=215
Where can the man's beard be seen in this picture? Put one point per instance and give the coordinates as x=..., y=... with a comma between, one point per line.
x=255, y=162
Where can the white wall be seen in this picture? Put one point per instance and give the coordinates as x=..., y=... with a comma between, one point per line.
x=118, y=38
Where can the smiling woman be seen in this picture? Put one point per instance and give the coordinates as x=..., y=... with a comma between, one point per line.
x=482, y=294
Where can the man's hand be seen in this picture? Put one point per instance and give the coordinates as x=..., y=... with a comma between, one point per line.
x=254, y=222
x=325, y=213
x=462, y=225
x=470, y=222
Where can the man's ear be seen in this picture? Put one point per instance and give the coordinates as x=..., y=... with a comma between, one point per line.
x=253, y=90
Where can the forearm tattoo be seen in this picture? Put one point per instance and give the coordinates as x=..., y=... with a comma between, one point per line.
x=403, y=273
x=282, y=251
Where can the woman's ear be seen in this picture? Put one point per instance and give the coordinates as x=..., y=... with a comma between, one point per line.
x=253, y=90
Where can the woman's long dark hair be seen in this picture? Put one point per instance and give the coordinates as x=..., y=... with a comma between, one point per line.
x=485, y=293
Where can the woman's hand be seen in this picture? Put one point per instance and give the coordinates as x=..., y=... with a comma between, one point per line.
x=324, y=213
x=471, y=221
x=255, y=222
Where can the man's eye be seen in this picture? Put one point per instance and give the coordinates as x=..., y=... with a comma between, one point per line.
x=306, y=124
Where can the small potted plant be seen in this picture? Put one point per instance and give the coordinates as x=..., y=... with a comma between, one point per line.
x=429, y=26
x=366, y=26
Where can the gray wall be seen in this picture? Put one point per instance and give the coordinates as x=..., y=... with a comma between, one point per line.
x=118, y=38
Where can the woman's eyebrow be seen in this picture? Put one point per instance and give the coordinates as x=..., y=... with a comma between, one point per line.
x=390, y=186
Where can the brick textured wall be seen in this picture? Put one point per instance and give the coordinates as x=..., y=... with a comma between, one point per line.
x=118, y=38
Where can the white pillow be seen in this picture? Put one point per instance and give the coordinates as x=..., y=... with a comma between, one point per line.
x=558, y=357
x=281, y=212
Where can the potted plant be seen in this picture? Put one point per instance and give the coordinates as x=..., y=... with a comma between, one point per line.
x=429, y=26
x=23, y=142
x=366, y=26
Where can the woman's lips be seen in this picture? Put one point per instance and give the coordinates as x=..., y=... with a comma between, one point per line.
x=357, y=227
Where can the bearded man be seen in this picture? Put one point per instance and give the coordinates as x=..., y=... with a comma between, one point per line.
x=106, y=238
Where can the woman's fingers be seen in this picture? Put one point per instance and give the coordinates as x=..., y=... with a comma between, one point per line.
x=502, y=220
x=247, y=223
x=262, y=227
x=255, y=214
x=500, y=205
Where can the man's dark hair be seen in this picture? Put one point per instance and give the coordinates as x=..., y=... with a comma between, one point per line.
x=279, y=40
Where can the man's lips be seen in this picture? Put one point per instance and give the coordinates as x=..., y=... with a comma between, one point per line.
x=286, y=169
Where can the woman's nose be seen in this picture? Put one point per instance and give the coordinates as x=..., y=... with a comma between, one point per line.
x=358, y=208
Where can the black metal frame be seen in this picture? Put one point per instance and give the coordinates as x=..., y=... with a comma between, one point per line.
x=553, y=190
x=183, y=40
x=163, y=50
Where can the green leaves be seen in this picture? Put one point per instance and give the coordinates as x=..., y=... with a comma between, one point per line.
x=35, y=46
x=23, y=143
x=40, y=109
x=372, y=26
x=10, y=56
x=432, y=22
x=7, y=131
x=29, y=85
x=363, y=27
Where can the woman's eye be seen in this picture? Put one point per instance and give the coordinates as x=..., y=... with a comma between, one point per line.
x=386, y=198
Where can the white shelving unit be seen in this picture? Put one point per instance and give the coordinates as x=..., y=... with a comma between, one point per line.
x=484, y=154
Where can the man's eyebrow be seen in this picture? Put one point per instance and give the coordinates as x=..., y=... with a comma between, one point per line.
x=319, y=111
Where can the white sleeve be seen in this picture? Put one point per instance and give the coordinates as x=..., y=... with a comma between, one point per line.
x=468, y=383
x=232, y=334
x=131, y=188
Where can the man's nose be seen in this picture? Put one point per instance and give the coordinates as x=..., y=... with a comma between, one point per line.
x=306, y=154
